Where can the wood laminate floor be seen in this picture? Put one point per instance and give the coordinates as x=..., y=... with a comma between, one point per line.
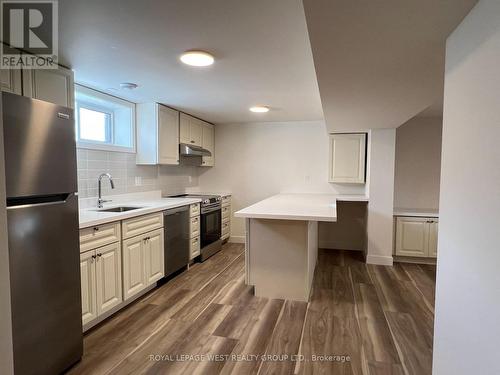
x=361, y=319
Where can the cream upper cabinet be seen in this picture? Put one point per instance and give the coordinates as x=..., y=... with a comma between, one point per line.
x=108, y=275
x=433, y=238
x=153, y=253
x=347, y=158
x=51, y=85
x=157, y=134
x=11, y=81
x=416, y=236
x=208, y=141
x=191, y=130
x=88, y=286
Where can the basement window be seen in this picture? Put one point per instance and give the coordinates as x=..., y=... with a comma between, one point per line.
x=103, y=122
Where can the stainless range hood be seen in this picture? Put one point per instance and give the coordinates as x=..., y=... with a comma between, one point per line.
x=186, y=149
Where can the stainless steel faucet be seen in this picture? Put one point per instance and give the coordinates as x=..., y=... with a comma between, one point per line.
x=100, y=201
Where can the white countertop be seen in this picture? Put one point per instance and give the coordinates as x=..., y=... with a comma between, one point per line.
x=416, y=212
x=90, y=217
x=308, y=207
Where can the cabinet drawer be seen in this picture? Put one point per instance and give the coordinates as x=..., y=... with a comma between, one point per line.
x=100, y=235
x=195, y=247
x=194, y=227
x=142, y=224
x=226, y=226
x=226, y=201
x=194, y=209
x=226, y=211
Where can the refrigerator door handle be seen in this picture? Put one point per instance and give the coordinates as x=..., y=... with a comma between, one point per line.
x=19, y=203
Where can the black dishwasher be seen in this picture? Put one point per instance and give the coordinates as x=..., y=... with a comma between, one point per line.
x=176, y=223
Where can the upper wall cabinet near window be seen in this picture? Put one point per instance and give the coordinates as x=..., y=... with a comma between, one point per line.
x=11, y=81
x=208, y=142
x=191, y=130
x=157, y=134
x=347, y=158
x=51, y=85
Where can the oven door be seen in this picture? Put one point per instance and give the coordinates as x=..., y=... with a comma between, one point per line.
x=211, y=224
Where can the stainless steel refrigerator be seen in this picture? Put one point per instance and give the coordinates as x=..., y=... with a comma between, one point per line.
x=42, y=217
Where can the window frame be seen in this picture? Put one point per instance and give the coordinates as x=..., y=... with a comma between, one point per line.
x=108, y=145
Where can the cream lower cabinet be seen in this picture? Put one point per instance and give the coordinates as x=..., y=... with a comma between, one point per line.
x=88, y=284
x=11, y=81
x=416, y=236
x=194, y=230
x=143, y=262
x=226, y=218
x=101, y=283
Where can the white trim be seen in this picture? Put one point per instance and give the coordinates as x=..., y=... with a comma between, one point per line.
x=382, y=260
x=113, y=102
x=104, y=147
x=237, y=239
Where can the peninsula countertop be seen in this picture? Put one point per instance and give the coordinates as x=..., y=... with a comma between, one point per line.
x=296, y=206
x=93, y=216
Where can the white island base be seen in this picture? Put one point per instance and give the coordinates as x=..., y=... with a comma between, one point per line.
x=280, y=257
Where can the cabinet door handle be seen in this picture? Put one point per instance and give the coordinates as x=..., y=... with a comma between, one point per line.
x=92, y=259
x=192, y=141
x=96, y=229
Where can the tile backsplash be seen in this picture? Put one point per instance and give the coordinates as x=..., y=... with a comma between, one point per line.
x=129, y=177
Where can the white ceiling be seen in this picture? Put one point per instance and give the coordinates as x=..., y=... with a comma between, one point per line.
x=379, y=63
x=261, y=48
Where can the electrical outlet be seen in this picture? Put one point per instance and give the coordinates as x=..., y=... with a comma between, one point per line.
x=138, y=181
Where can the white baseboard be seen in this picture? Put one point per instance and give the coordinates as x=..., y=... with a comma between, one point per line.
x=237, y=239
x=382, y=260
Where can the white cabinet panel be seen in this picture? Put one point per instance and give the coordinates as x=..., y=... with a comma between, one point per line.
x=11, y=81
x=347, y=158
x=208, y=141
x=142, y=224
x=195, y=247
x=412, y=237
x=168, y=136
x=88, y=286
x=433, y=238
x=157, y=134
x=154, y=257
x=416, y=236
x=100, y=235
x=191, y=130
x=196, y=132
x=108, y=275
x=134, y=268
x=51, y=85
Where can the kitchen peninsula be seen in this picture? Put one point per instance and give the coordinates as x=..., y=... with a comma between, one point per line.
x=282, y=242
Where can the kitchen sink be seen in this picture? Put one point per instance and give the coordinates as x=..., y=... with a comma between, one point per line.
x=118, y=209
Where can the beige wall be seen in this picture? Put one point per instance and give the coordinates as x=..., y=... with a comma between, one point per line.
x=418, y=163
x=467, y=315
x=381, y=151
x=255, y=161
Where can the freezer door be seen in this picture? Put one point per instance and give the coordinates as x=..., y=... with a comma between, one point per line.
x=40, y=147
x=45, y=285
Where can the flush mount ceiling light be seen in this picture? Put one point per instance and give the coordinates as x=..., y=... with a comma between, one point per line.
x=259, y=109
x=128, y=85
x=197, y=58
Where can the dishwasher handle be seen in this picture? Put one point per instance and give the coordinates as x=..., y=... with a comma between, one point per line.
x=175, y=211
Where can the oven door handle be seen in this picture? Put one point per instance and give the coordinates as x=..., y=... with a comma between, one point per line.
x=210, y=209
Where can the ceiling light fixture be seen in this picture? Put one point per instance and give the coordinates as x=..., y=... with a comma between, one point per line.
x=259, y=109
x=197, y=58
x=128, y=85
